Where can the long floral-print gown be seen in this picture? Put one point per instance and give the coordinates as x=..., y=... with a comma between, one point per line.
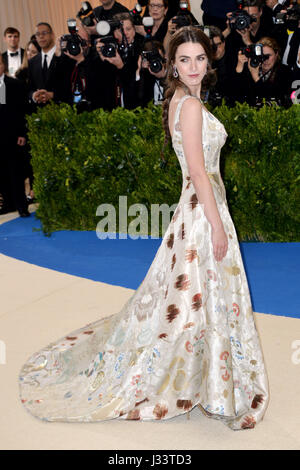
x=186, y=337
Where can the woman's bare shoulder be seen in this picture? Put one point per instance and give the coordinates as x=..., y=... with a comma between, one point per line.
x=191, y=108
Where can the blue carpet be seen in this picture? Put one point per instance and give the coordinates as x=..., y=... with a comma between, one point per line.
x=272, y=268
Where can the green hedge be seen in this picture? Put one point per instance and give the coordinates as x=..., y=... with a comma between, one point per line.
x=83, y=160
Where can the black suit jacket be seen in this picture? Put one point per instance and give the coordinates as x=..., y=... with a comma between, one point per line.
x=12, y=114
x=35, y=75
x=5, y=56
x=277, y=9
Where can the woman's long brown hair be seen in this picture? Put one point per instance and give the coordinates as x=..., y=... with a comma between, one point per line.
x=184, y=35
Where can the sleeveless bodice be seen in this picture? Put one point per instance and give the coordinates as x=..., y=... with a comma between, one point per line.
x=214, y=137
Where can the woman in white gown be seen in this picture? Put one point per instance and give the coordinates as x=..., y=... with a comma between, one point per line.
x=187, y=336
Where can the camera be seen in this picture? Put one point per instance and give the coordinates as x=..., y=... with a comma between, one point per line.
x=240, y=20
x=254, y=52
x=86, y=14
x=105, y=30
x=183, y=17
x=155, y=60
x=72, y=43
x=290, y=19
x=110, y=46
x=135, y=13
x=106, y=27
x=181, y=21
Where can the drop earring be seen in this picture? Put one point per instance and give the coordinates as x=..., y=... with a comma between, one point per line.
x=175, y=72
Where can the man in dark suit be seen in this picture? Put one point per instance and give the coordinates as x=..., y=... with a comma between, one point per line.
x=12, y=124
x=41, y=67
x=275, y=7
x=13, y=57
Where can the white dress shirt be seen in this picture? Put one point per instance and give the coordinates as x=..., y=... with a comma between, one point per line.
x=2, y=90
x=14, y=63
x=49, y=55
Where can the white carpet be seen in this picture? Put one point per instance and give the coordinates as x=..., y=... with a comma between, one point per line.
x=39, y=306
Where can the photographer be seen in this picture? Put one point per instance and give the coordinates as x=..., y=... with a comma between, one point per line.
x=89, y=17
x=247, y=26
x=223, y=64
x=275, y=7
x=70, y=75
x=288, y=31
x=158, y=10
x=259, y=77
x=109, y=9
x=127, y=48
x=151, y=74
x=183, y=17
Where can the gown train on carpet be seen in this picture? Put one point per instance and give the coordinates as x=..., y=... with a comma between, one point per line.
x=186, y=337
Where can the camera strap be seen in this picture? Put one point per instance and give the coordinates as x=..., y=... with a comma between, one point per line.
x=264, y=77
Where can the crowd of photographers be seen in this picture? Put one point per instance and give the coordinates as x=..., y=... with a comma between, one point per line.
x=115, y=57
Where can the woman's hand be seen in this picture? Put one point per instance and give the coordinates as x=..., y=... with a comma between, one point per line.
x=220, y=243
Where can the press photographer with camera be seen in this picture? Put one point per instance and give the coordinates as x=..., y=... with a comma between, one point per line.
x=276, y=7
x=223, y=64
x=90, y=17
x=70, y=74
x=158, y=12
x=247, y=25
x=287, y=24
x=151, y=74
x=182, y=17
x=101, y=75
x=121, y=48
x=108, y=9
x=260, y=74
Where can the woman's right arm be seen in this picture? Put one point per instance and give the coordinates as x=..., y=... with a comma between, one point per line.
x=191, y=128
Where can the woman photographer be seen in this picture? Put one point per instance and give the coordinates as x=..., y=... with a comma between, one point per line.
x=158, y=11
x=270, y=80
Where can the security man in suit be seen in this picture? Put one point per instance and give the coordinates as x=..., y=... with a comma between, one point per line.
x=13, y=57
x=41, y=67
